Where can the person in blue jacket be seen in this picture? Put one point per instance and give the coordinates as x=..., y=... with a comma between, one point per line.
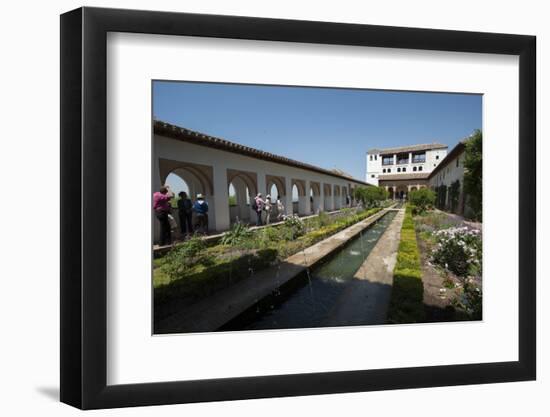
x=200, y=208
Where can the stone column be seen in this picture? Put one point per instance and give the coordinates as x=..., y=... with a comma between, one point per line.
x=221, y=198
x=308, y=199
x=156, y=187
x=262, y=187
x=288, y=196
x=321, y=196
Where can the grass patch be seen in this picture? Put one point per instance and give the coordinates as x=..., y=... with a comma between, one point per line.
x=406, y=304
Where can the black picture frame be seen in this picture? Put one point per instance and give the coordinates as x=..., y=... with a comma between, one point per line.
x=84, y=209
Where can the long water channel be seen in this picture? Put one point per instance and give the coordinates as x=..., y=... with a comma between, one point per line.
x=308, y=299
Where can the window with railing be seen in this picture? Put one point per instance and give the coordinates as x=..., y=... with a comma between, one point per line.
x=403, y=158
x=419, y=158
x=387, y=160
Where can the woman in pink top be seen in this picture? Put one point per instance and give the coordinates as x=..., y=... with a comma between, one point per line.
x=161, y=206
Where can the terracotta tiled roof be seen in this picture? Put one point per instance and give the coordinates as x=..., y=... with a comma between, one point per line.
x=412, y=148
x=396, y=177
x=197, y=138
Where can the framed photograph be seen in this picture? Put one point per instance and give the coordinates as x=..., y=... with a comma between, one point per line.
x=257, y=208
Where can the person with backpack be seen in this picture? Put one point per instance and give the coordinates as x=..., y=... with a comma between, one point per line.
x=185, y=211
x=200, y=208
x=258, y=206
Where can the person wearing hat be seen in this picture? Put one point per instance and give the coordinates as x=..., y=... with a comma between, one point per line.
x=161, y=207
x=185, y=211
x=200, y=208
x=258, y=206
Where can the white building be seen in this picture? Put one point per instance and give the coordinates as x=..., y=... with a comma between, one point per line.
x=447, y=180
x=398, y=163
x=210, y=165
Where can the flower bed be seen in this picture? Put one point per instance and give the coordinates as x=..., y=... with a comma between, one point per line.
x=192, y=271
x=458, y=250
x=406, y=303
x=453, y=249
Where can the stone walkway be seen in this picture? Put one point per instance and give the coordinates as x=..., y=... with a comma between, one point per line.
x=366, y=298
x=215, y=311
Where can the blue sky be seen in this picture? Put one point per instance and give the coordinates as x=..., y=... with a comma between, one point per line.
x=327, y=127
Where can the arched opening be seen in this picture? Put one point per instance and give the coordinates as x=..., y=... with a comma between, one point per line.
x=177, y=184
x=274, y=193
x=315, y=197
x=401, y=192
x=299, y=197
x=239, y=199
x=344, y=197
x=295, y=199
x=391, y=195
x=189, y=177
x=191, y=181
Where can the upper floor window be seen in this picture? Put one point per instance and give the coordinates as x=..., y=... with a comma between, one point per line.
x=389, y=170
x=403, y=158
x=370, y=157
x=398, y=169
x=376, y=157
x=372, y=176
x=404, y=169
x=419, y=157
x=414, y=168
x=457, y=161
x=384, y=170
x=387, y=160
x=420, y=168
x=437, y=157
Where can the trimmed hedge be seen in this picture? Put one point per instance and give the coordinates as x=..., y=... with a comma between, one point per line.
x=406, y=303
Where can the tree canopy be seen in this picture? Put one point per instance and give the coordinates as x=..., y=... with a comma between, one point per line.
x=473, y=171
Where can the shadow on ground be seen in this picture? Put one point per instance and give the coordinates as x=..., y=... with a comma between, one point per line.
x=49, y=392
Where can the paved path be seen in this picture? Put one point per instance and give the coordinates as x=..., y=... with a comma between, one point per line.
x=215, y=311
x=366, y=298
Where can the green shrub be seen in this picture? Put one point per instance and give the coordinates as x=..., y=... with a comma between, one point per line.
x=441, y=200
x=454, y=195
x=324, y=219
x=406, y=303
x=184, y=256
x=473, y=173
x=293, y=227
x=201, y=281
x=458, y=250
x=422, y=200
x=238, y=234
x=370, y=196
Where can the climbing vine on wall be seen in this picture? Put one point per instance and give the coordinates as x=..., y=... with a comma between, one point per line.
x=473, y=168
x=454, y=193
